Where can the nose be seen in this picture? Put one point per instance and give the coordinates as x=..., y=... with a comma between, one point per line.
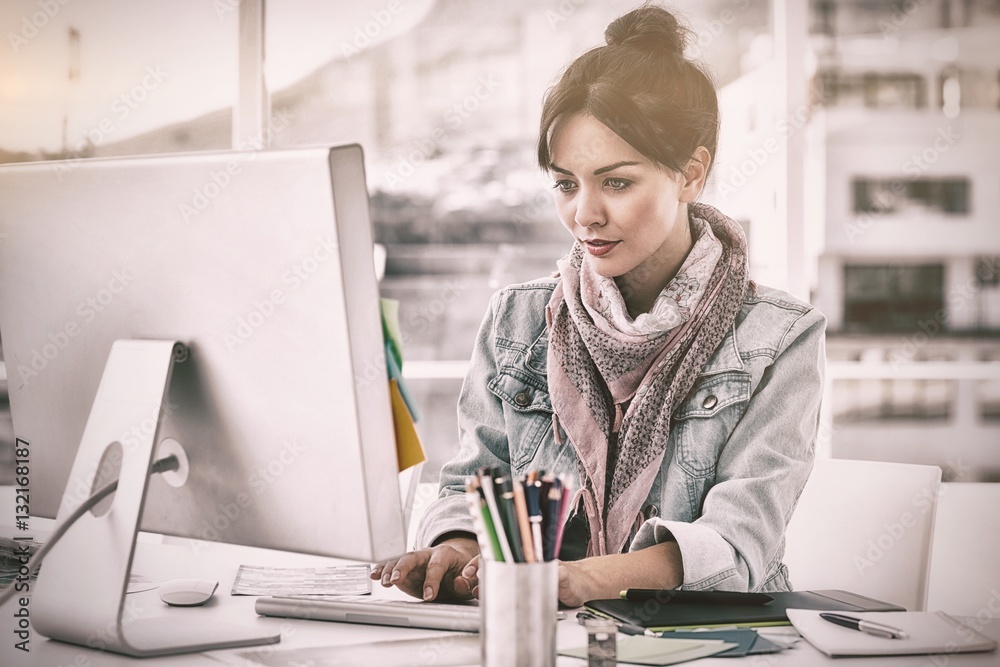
x=589, y=208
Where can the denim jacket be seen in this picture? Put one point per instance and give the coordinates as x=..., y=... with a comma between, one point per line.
x=740, y=449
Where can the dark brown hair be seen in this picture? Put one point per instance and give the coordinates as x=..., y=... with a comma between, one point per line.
x=642, y=87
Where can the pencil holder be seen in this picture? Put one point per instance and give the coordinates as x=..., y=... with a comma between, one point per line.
x=519, y=602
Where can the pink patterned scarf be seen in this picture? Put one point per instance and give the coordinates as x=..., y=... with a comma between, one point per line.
x=599, y=359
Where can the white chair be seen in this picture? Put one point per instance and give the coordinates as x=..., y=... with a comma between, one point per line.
x=965, y=559
x=865, y=527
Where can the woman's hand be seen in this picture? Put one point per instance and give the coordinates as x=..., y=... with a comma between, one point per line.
x=577, y=584
x=448, y=570
x=604, y=577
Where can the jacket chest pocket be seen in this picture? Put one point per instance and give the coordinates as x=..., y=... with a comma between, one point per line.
x=527, y=413
x=705, y=420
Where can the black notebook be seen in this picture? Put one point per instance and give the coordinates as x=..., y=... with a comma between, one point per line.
x=668, y=612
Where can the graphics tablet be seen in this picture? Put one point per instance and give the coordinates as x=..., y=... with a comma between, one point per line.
x=666, y=615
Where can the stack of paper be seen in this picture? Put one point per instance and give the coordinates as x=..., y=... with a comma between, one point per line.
x=927, y=632
x=337, y=580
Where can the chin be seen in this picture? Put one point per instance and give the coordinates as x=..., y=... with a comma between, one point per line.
x=605, y=268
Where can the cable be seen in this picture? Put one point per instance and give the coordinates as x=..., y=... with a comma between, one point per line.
x=163, y=465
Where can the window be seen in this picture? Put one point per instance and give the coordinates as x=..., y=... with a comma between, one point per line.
x=924, y=195
x=987, y=272
x=989, y=390
x=861, y=400
x=989, y=400
x=873, y=90
x=881, y=299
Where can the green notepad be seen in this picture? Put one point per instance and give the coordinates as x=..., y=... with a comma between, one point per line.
x=656, y=651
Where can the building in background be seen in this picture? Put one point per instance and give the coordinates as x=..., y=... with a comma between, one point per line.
x=902, y=173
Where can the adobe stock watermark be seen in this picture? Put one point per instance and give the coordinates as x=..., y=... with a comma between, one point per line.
x=931, y=327
x=537, y=207
x=35, y=23
x=710, y=31
x=203, y=195
x=101, y=638
x=121, y=108
x=428, y=313
x=364, y=34
x=106, y=468
x=454, y=116
x=901, y=13
x=986, y=615
x=87, y=311
x=293, y=278
x=894, y=532
x=228, y=513
x=563, y=12
x=785, y=128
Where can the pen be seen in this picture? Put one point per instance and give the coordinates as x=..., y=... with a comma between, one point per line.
x=521, y=509
x=504, y=491
x=563, y=510
x=485, y=520
x=531, y=492
x=486, y=487
x=868, y=627
x=550, y=519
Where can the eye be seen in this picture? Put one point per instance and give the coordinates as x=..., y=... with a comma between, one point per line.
x=564, y=186
x=617, y=184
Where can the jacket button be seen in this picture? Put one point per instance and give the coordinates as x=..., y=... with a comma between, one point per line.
x=522, y=399
x=710, y=402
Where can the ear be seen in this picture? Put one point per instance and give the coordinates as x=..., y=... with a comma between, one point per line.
x=695, y=174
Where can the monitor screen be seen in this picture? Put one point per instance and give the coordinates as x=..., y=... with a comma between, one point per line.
x=260, y=263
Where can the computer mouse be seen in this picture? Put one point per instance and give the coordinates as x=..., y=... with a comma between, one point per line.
x=187, y=592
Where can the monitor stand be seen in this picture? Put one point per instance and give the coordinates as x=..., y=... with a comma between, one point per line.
x=80, y=593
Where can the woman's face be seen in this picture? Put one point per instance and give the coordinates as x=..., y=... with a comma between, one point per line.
x=628, y=213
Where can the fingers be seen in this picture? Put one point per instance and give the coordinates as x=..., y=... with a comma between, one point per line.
x=471, y=570
x=405, y=572
x=443, y=570
x=568, y=595
x=380, y=569
x=467, y=583
x=441, y=561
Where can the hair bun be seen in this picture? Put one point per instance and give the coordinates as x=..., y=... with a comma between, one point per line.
x=649, y=28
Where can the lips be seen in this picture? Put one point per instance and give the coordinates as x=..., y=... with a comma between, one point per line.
x=599, y=247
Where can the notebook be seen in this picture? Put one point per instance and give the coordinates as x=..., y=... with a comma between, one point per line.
x=374, y=611
x=693, y=613
x=928, y=632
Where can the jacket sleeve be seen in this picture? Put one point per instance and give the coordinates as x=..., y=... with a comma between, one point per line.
x=739, y=537
x=482, y=438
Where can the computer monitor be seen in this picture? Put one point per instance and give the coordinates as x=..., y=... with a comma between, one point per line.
x=225, y=304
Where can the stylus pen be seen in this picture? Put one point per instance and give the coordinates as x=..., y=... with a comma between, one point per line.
x=868, y=627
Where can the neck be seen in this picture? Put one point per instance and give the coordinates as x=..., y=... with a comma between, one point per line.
x=641, y=286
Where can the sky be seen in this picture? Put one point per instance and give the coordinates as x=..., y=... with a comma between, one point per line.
x=147, y=63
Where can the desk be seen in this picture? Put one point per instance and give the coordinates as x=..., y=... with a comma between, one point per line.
x=170, y=558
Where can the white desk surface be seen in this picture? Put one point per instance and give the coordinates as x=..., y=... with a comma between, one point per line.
x=176, y=558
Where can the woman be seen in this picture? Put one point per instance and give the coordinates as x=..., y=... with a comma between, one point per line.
x=681, y=399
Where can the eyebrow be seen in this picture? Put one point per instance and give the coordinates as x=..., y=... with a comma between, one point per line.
x=597, y=172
